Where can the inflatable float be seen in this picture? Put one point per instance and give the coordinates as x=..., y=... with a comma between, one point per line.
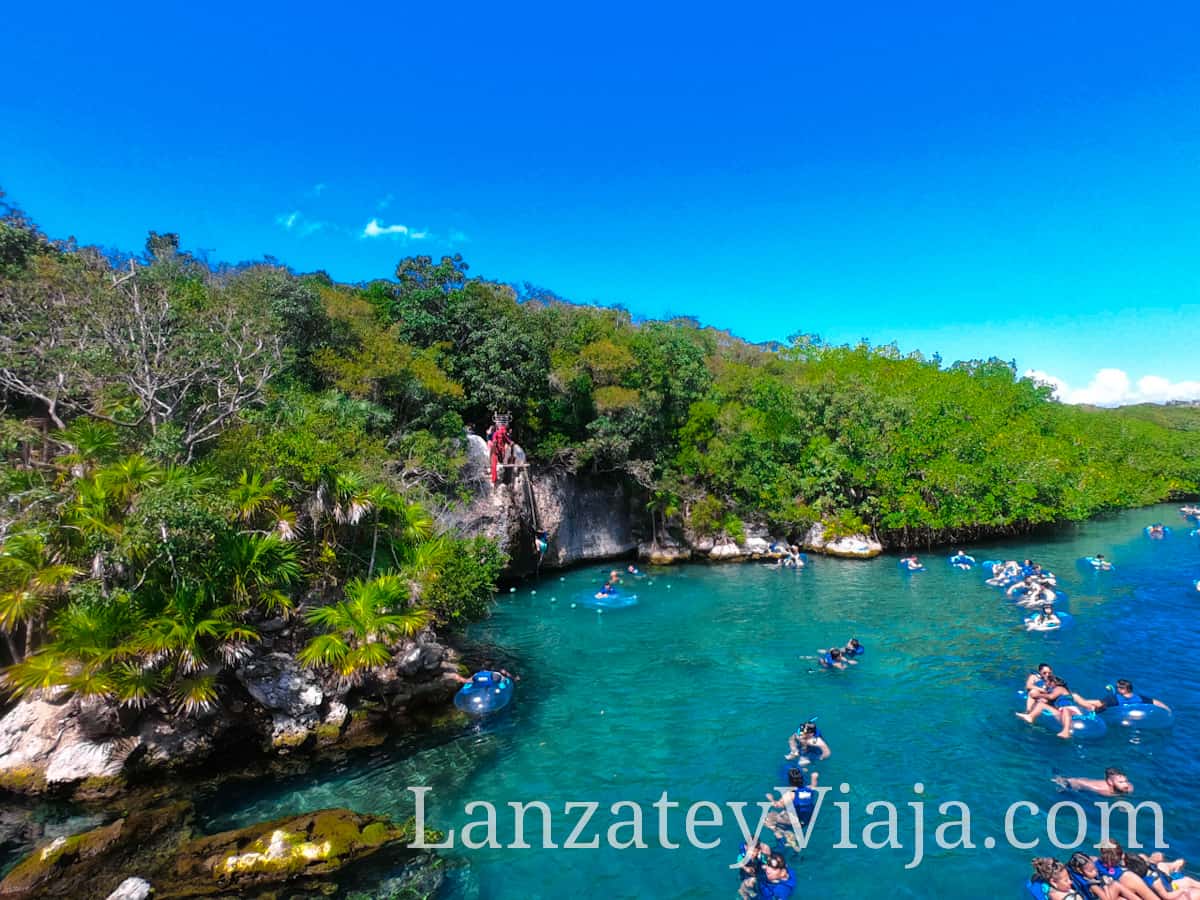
x=1086, y=726
x=486, y=692
x=1132, y=713
x=1031, y=623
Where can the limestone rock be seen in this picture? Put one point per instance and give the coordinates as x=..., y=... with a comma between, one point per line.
x=49, y=740
x=859, y=546
x=132, y=889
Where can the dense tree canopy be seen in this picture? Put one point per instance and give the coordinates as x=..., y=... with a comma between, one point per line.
x=190, y=450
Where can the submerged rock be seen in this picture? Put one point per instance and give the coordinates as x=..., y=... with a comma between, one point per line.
x=302, y=851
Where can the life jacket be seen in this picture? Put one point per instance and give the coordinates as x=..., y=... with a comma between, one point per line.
x=1131, y=700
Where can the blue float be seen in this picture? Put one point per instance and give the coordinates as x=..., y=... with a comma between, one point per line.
x=1149, y=529
x=615, y=600
x=486, y=692
x=1098, y=565
x=1085, y=726
x=1039, y=890
x=962, y=561
x=1065, y=622
x=905, y=565
x=1138, y=715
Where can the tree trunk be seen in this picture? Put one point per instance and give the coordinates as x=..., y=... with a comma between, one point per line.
x=374, y=544
x=12, y=648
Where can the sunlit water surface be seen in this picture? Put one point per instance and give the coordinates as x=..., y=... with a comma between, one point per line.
x=694, y=691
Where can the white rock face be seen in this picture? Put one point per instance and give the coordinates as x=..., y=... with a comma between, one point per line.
x=132, y=889
x=859, y=546
x=60, y=740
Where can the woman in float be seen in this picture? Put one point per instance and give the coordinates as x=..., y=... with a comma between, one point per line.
x=1003, y=573
x=1162, y=877
x=1061, y=702
x=1091, y=882
x=807, y=744
x=1051, y=881
x=852, y=650
x=1046, y=620
x=1112, y=864
x=1158, y=530
x=1136, y=709
x=960, y=560
x=1099, y=563
x=911, y=564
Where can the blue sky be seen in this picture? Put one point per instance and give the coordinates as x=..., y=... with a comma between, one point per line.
x=1019, y=181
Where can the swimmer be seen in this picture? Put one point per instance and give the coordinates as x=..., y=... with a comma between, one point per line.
x=633, y=570
x=831, y=659
x=807, y=742
x=1099, y=562
x=1114, y=784
x=1039, y=679
x=912, y=563
x=614, y=577
x=1112, y=864
x=606, y=590
x=853, y=649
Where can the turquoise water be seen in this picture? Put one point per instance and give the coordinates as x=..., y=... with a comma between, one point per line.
x=694, y=691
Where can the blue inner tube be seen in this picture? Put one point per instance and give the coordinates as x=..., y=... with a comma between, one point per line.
x=903, y=566
x=1039, y=890
x=962, y=561
x=1165, y=531
x=1086, y=726
x=615, y=600
x=1066, y=618
x=1140, y=715
x=486, y=692
x=1101, y=565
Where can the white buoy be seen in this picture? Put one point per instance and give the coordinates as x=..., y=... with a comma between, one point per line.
x=553, y=599
x=573, y=606
x=562, y=579
x=532, y=593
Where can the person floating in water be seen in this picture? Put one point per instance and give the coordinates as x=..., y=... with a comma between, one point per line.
x=1124, y=696
x=1113, y=784
x=1099, y=562
x=1061, y=702
x=912, y=563
x=852, y=650
x=832, y=659
x=633, y=570
x=808, y=744
x=1046, y=620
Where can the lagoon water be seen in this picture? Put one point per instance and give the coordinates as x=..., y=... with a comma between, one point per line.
x=694, y=690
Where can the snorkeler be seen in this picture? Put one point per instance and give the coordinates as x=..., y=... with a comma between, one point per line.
x=807, y=743
x=1114, y=784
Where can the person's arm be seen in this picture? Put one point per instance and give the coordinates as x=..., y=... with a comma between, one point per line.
x=825, y=751
x=1159, y=703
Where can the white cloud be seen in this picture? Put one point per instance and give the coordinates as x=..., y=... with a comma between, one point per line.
x=288, y=220
x=376, y=229
x=1114, y=387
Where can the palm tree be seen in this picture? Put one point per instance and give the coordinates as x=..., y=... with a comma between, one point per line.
x=253, y=495
x=31, y=575
x=256, y=567
x=360, y=629
x=91, y=444
x=408, y=522
x=124, y=479
x=190, y=641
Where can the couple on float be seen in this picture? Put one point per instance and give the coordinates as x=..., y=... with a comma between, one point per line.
x=1046, y=692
